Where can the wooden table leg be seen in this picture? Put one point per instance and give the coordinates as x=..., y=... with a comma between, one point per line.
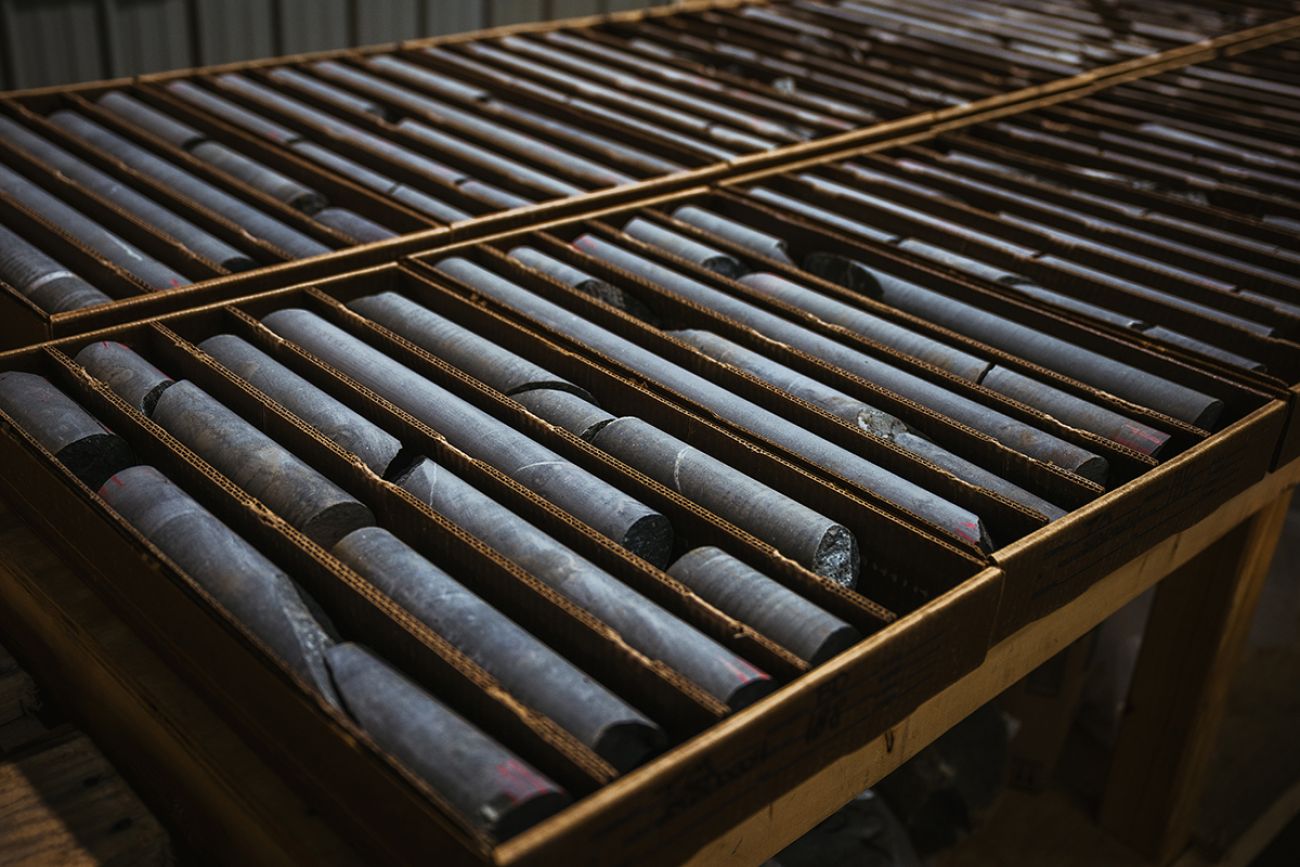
x=1193, y=642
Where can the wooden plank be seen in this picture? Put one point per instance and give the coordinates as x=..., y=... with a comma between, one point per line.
x=788, y=817
x=1193, y=642
x=67, y=805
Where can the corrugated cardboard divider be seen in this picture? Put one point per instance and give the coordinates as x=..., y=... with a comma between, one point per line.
x=1281, y=357
x=1007, y=305
x=943, y=640
x=1124, y=462
x=691, y=527
x=152, y=240
x=190, y=629
x=339, y=189
x=967, y=215
x=605, y=553
x=666, y=811
x=644, y=682
x=213, y=222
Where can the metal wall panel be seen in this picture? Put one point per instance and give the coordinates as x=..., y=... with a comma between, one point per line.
x=514, y=11
x=53, y=43
x=454, y=16
x=44, y=42
x=231, y=30
x=148, y=35
x=314, y=25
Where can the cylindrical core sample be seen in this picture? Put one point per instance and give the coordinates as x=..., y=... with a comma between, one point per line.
x=349, y=429
x=263, y=178
x=361, y=230
x=597, y=503
x=686, y=248
x=641, y=623
x=326, y=92
x=340, y=130
x=238, y=577
x=575, y=414
x=43, y=281
x=800, y=533
x=859, y=414
x=150, y=119
x=251, y=220
x=317, y=507
x=956, y=361
x=154, y=275
x=168, y=222
x=748, y=595
x=498, y=136
x=135, y=380
x=76, y=438
x=234, y=113
x=1183, y=341
x=482, y=359
x=1131, y=383
x=931, y=508
x=768, y=246
x=482, y=100
x=585, y=283
x=1007, y=430
x=528, y=669
x=495, y=791
x=354, y=171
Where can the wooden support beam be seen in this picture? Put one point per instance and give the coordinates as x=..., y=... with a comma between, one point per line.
x=1193, y=642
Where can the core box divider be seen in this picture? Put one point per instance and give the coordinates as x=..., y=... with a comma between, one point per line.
x=339, y=189
x=1005, y=518
x=108, y=277
x=210, y=221
x=1011, y=517
x=230, y=184
x=605, y=553
x=402, y=112
x=331, y=756
x=1039, y=316
x=589, y=643
x=1053, y=168
x=372, y=159
x=722, y=97
x=1282, y=357
x=1070, y=488
x=1125, y=463
x=1039, y=476
x=152, y=240
x=389, y=131
x=608, y=126
x=1009, y=185
x=968, y=215
x=363, y=611
x=857, y=608
x=1225, y=191
x=1042, y=569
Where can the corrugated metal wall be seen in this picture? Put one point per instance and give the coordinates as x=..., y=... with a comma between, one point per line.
x=61, y=41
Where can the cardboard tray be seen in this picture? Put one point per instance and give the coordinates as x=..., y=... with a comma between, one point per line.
x=24, y=324
x=1044, y=566
x=719, y=766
